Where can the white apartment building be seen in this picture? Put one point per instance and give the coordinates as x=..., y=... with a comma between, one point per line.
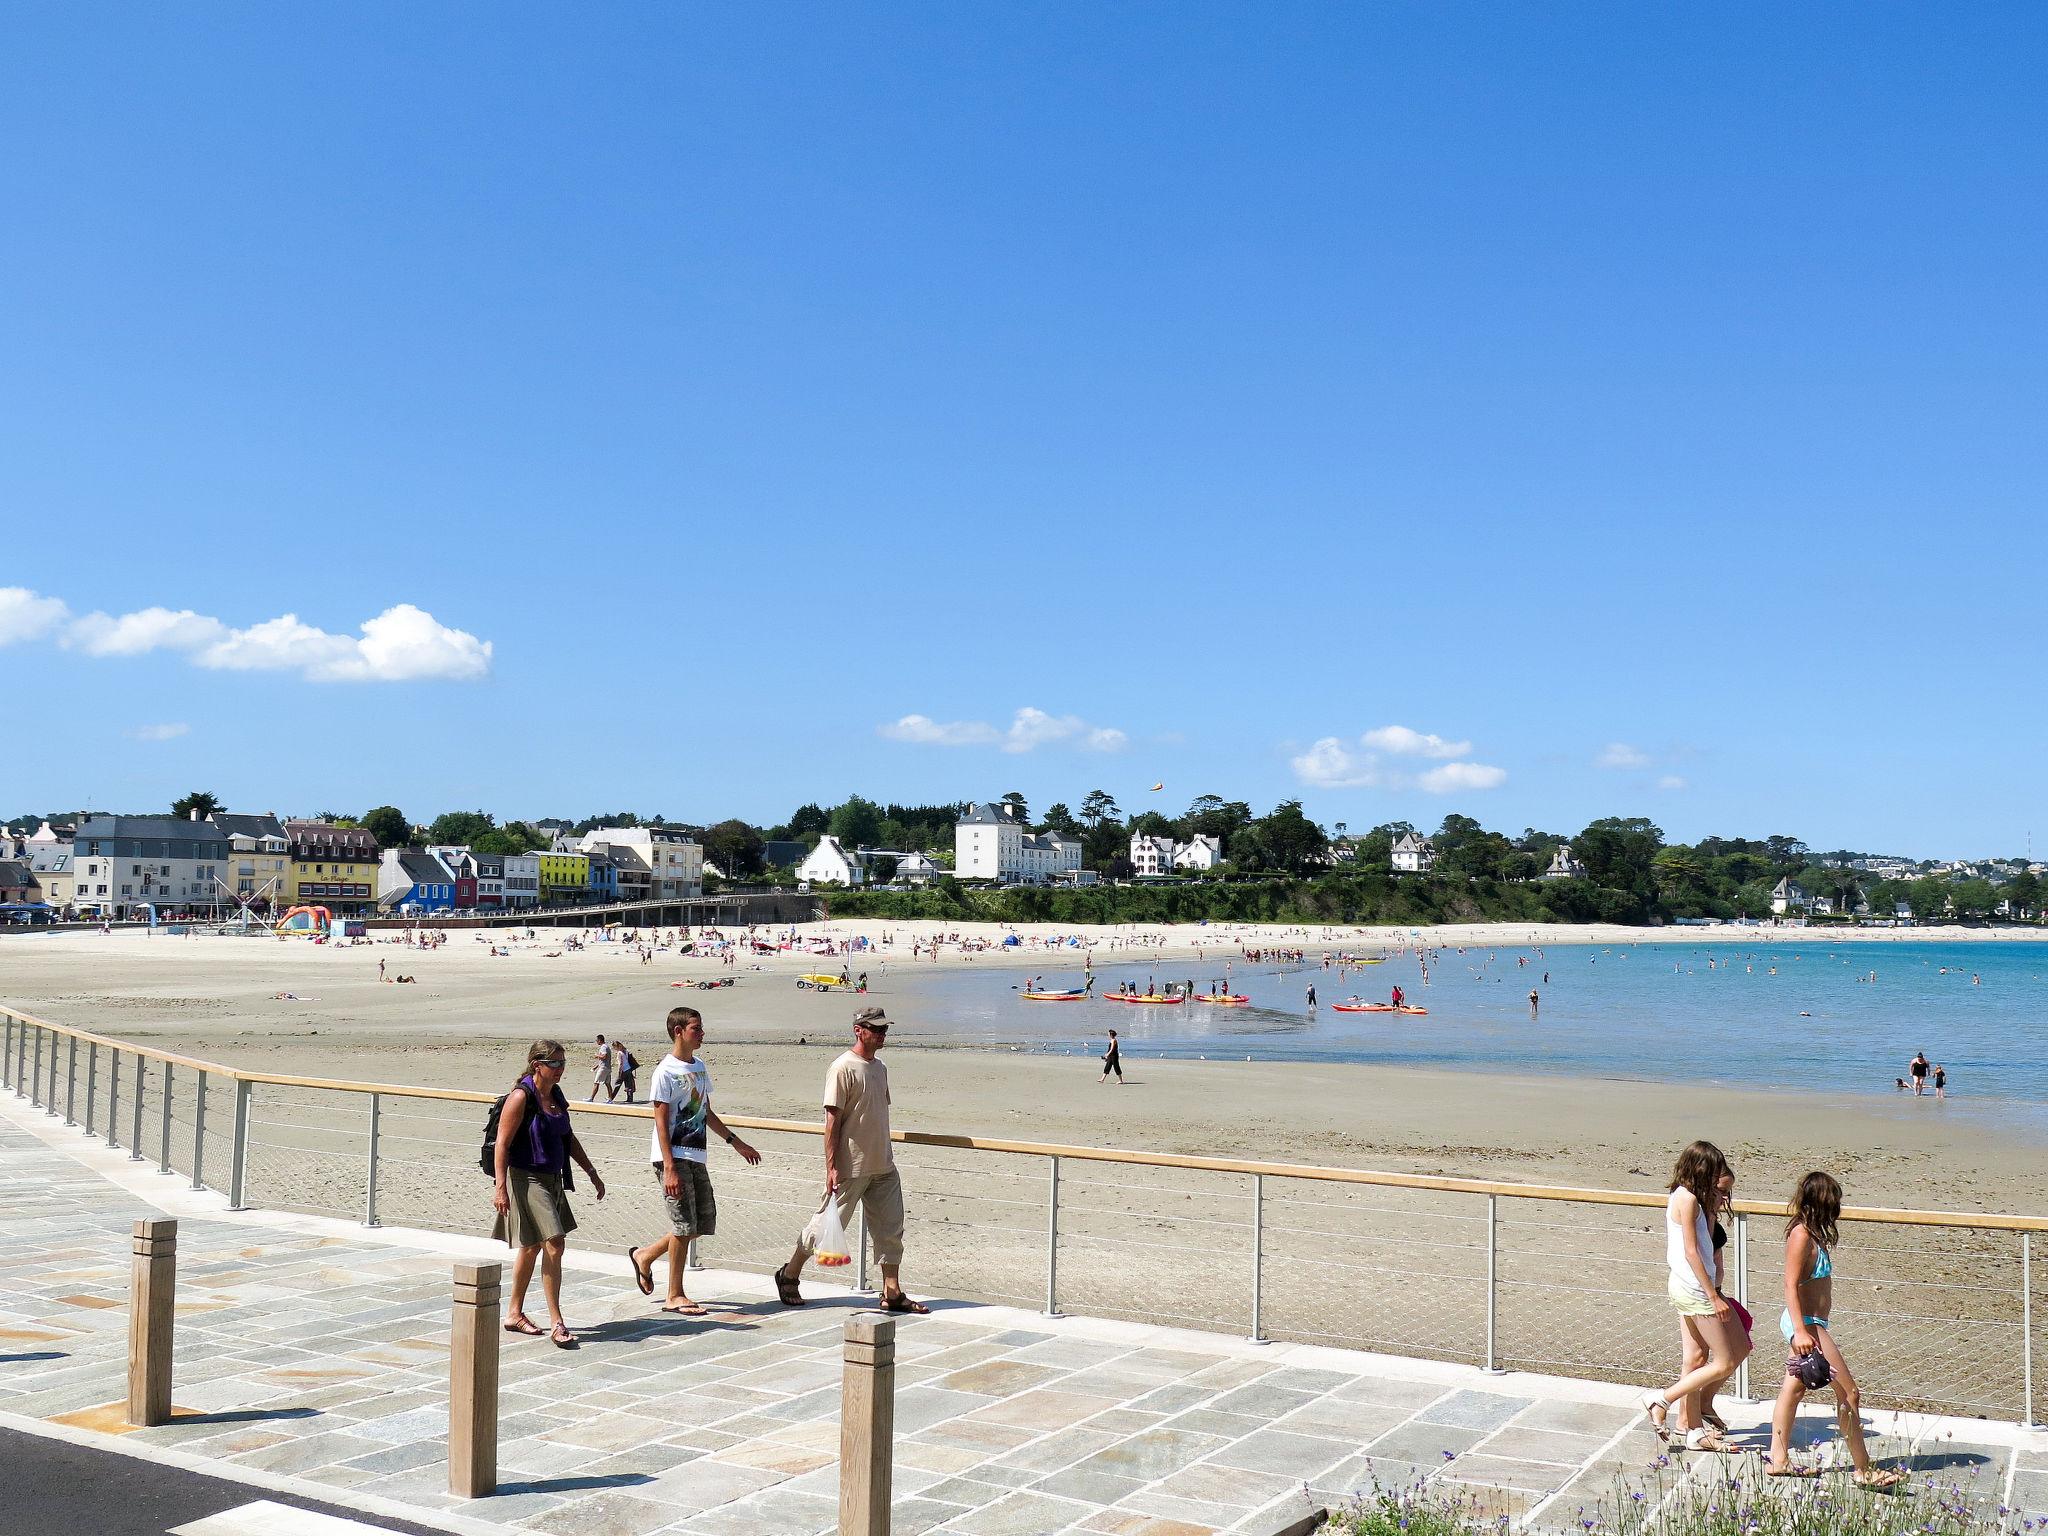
x=1413, y=855
x=1151, y=855
x=674, y=859
x=122, y=864
x=522, y=880
x=991, y=843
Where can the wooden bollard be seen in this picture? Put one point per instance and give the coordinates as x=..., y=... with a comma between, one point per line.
x=867, y=1424
x=152, y=1303
x=473, y=1382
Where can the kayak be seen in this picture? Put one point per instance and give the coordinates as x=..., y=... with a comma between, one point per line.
x=1053, y=997
x=1118, y=997
x=1223, y=999
x=1373, y=1008
x=821, y=981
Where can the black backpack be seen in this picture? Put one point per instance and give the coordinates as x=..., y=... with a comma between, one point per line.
x=487, y=1156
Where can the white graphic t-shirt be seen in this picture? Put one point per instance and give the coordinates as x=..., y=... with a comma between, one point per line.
x=685, y=1087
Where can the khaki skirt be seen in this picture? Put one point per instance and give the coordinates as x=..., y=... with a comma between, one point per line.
x=539, y=1209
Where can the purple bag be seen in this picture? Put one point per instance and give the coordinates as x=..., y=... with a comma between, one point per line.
x=1812, y=1369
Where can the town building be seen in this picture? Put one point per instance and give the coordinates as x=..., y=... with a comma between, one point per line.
x=130, y=866
x=415, y=883
x=915, y=868
x=522, y=880
x=260, y=860
x=17, y=883
x=830, y=864
x=674, y=859
x=1563, y=866
x=1151, y=856
x=488, y=871
x=779, y=853
x=1413, y=855
x=1205, y=852
x=333, y=867
x=991, y=842
x=50, y=869
x=1790, y=896
x=604, y=874
x=564, y=877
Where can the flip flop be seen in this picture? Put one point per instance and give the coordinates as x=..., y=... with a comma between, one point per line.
x=644, y=1278
x=901, y=1303
x=523, y=1325
x=685, y=1308
x=1802, y=1472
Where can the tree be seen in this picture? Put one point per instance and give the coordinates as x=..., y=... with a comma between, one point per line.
x=807, y=821
x=1930, y=897
x=734, y=847
x=1287, y=840
x=460, y=827
x=2025, y=892
x=1974, y=897
x=388, y=825
x=205, y=802
x=1213, y=817
x=855, y=822
x=1097, y=808
x=1785, y=850
x=1060, y=819
x=1150, y=824
x=1619, y=852
x=1018, y=807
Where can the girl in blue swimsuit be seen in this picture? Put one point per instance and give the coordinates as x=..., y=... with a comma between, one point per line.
x=1810, y=1238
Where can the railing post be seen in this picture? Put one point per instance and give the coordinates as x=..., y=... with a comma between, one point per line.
x=1258, y=1256
x=114, y=1098
x=370, y=1190
x=473, y=1382
x=2027, y=1326
x=1493, y=1284
x=135, y=1111
x=92, y=1083
x=1052, y=1243
x=199, y=1136
x=867, y=1424
x=12, y=1077
x=35, y=1086
x=70, y=1079
x=163, y=1160
x=152, y=1302
x=1742, y=1295
x=238, y=1156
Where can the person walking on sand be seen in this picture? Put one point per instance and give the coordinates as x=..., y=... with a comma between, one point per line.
x=1917, y=1070
x=530, y=1192
x=1706, y=1316
x=603, y=1076
x=1112, y=1061
x=860, y=1165
x=681, y=1095
x=1811, y=1232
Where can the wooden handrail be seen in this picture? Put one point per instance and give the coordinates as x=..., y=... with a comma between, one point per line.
x=1877, y=1215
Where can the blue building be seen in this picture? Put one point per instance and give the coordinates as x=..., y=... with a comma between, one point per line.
x=413, y=881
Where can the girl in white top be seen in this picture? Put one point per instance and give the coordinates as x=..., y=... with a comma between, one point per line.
x=1703, y=1312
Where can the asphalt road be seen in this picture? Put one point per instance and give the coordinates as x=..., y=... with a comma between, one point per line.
x=57, y=1489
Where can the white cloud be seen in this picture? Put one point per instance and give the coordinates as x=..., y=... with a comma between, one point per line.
x=1619, y=754
x=26, y=615
x=1028, y=730
x=1452, y=777
x=926, y=731
x=168, y=732
x=1402, y=742
x=402, y=644
x=1671, y=781
x=1331, y=764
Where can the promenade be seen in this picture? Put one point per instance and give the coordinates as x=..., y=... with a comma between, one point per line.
x=312, y=1359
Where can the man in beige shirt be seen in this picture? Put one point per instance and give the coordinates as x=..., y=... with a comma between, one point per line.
x=860, y=1164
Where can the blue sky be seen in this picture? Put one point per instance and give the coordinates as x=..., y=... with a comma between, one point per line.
x=1536, y=412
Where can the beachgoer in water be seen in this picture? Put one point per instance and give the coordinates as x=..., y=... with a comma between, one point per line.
x=1112, y=1061
x=1940, y=1081
x=1705, y=1315
x=1917, y=1070
x=1311, y=997
x=1534, y=1002
x=1810, y=1238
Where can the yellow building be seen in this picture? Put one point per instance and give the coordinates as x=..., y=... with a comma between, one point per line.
x=564, y=877
x=333, y=867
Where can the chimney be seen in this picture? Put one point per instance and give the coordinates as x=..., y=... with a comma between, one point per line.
x=193, y=813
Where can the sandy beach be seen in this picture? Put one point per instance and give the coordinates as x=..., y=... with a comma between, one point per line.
x=466, y=1021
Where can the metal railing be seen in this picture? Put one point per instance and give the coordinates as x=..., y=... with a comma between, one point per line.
x=1503, y=1276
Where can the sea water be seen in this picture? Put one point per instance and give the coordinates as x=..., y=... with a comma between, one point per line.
x=1844, y=1017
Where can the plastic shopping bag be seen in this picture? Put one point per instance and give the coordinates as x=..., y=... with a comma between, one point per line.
x=833, y=1249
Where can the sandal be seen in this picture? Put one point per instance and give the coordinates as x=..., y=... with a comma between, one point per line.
x=644, y=1278
x=1715, y=1421
x=1792, y=1471
x=786, y=1291
x=902, y=1303
x=682, y=1308
x=1707, y=1440
x=1657, y=1411
x=561, y=1337
x=1882, y=1480
x=522, y=1324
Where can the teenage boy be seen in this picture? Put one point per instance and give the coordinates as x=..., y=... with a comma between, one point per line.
x=681, y=1095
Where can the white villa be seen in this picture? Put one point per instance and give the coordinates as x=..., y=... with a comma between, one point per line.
x=1151, y=855
x=992, y=843
x=1563, y=866
x=1789, y=896
x=830, y=864
x=1413, y=855
x=1205, y=852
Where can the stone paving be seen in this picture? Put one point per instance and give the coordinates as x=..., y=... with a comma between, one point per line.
x=318, y=1349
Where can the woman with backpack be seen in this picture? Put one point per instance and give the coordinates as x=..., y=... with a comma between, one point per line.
x=531, y=1161
x=629, y=1068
